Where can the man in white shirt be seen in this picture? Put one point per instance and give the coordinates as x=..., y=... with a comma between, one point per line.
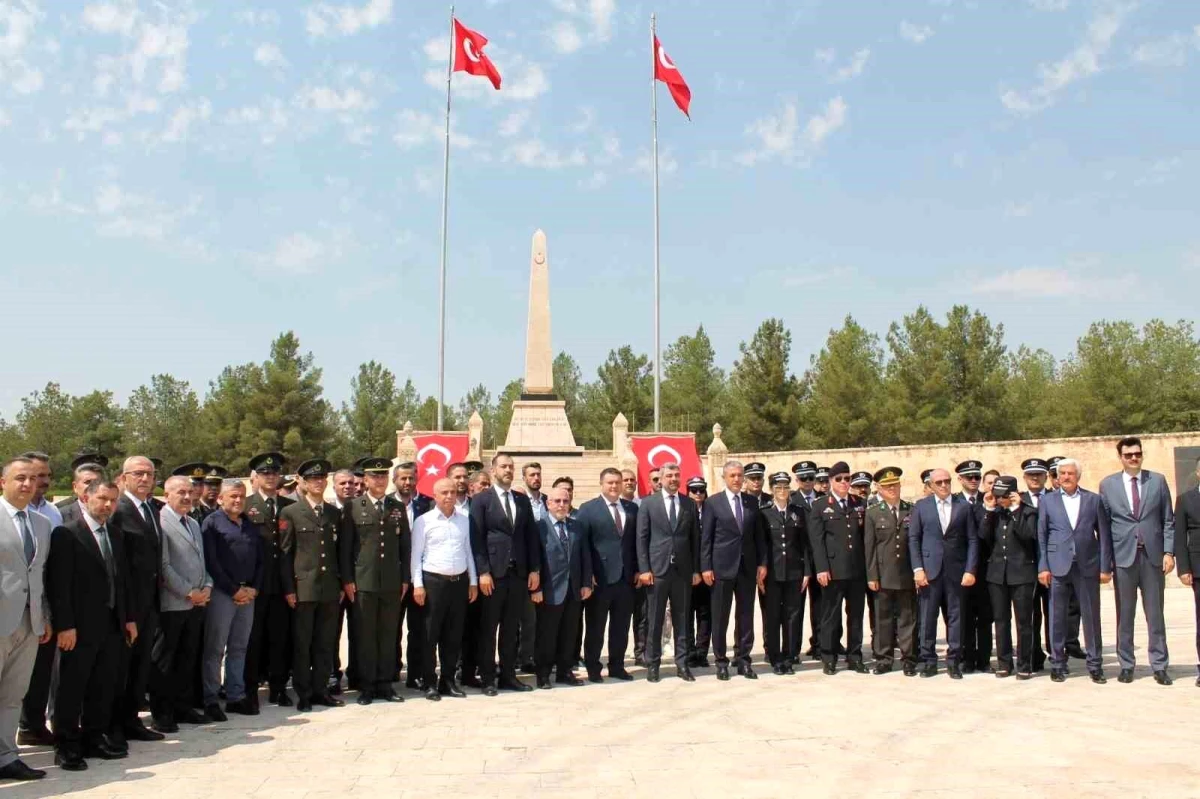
x=39, y=504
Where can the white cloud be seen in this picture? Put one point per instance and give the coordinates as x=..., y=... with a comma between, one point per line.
x=535, y=153
x=17, y=24
x=1049, y=5
x=257, y=19
x=587, y=116
x=565, y=37
x=667, y=163
x=780, y=136
x=5, y=119
x=324, y=19
x=417, y=129
x=1170, y=51
x=825, y=55
x=917, y=34
x=326, y=98
x=821, y=126
x=154, y=50
x=270, y=56
x=855, y=68
x=183, y=118
x=597, y=15
x=514, y=123
x=1080, y=63
x=776, y=134
x=270, y=118
x=1052, y=283
x=597, y=180
x=111, y=17
x=297, y=254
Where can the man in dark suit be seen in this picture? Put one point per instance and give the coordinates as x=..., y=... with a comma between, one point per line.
x=668, y=551
x=890, y=575
x=977, y=603
x=1074, y=548
x=609, y=524
x=782, y=592
x=90, y=603
x=733, y=561
x=1187, y=548
x=136, y=520
x=566, y=566
x=944, y=551
x=699, y=631
x=506, y=562
x=835, y=532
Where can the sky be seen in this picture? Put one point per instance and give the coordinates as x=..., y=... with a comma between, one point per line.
x=180, y=181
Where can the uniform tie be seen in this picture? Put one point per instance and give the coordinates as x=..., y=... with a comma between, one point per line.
x=379, y=508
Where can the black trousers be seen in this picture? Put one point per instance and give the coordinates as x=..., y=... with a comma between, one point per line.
x=783, y=620
x=611, y=605
x=1009, y=601
x=501, y=618
x=699, y=626
x=175, y=653
x=137, y=664
x=1041, y=627
x=853, y=595
x=42, y=686
x=896, y=626
x=469, y=646
x=814, y=615
x=723, y=592
x=977, y=626
x=1196, y=597
x=677, y=588
x=527, y=635
x=269, y=653
x=557, y=626
x=446, y=601
x=87, y=689
x=375, y=615
x=314, y=635
x=347, y=620
x=412, y=616
x=641, y=620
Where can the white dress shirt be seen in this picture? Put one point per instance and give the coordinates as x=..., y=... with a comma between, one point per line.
x=734, y=500
x=48, y=510
x=620, y=510
x=1071, y=503
x=945, y=508
x=441, y=545
x=538, y=501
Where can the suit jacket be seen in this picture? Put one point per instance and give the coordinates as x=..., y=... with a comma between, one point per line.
x=259, y=514
x=786, y=542
x=23, y=583
x=1187, y=531
x=727, y=548
x=886, y=545
x=956, y=552
x=374, y=550
x=1012, y=538
x=143, y=551
x=836, y=538
x=309, y=566
x=1089, y=542
x=182, y=565
x=564, y=570
x=613, y=554
x=79, y=582
x=1155, y=521
x=659, y=545
x=497, y=542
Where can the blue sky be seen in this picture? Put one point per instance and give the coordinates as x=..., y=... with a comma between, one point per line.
x=180, y=181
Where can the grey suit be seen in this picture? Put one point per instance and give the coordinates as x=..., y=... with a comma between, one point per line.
x=24, y=615
x=1139, y=542
x=177, y=640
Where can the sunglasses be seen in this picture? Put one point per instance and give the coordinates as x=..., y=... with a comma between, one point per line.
x=559, y=501
x=1131, y=455
x=842, y=479
x=972, y=477
x=941, y=482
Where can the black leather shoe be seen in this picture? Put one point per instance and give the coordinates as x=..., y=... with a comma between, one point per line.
x=513, y=684
x=1162, y=678
x=568, y=679
x=544, y=683
x=364, y=699
x=281, y=698
x=910, y=669
x=747, y=671
x=779, y=669
x=624, y=676
x=829, y=667
x=1076, y=651
x=858, y=667
x=881, y=669
x=388, y=696
x=1056, y=675
x=138, y=732
x=304, y=705
x=325, y=700
x=1126, y=676
x=192, y=716
x=955, y=672
x=163, y=724
x=450, y=688
x=104, y=750
x=17, y=770
x=489, y=690
x=595, y=676
x=968, y=668
x=432, y=695
x=652, y=674
x=930, y=670
x=243, y=707
x=215, y=713
x=722, y=672
x=40, y=736
x=1002, y=673
x=1098, y=677
x=1024, y=675
x=686, y=675
x=1198, y=682
x=70, y=761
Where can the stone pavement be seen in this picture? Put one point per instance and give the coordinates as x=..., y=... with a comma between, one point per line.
x=850, y=735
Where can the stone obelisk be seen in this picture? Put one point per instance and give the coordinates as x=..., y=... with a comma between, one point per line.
x=539, y=421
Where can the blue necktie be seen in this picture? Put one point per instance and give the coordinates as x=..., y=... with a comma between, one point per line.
x=26, y=537
x=562, y=533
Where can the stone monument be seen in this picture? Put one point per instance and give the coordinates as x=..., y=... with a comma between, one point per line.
x=539, y=423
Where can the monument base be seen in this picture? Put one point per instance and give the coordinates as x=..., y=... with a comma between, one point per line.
x=540, y=426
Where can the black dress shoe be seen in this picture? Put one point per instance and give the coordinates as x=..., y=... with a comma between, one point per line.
x=595, y=676
x=489, y=690
x=450, y=688
x=215, y=713
x=1126, y=676
x=929, y=670
x=829, y=667
x=281, y=698
x=686, y=675
x=652, y=674
x=568, y=679
x=471, y=682
x=722, y=672
x=388, y=696
x=1198, y=682
x=138, y=732
x=1162, y=678
x=513, y=684
x=335, y=688
x=779, y=669
x=432, y=695
x=304, y=705
x=192, y=716
x=17, y=770
x=955, y=672
x=164, y=724
x=38, y=736
x=70, y=761
x=1076, y=651
x=881, y=668
x=858, y=667
x=910, y=669
x=243, y=707
x=104, y=751
x=544, y=683
x=1002, y=673
x=364, y=699
x=968, y=668
x=747, y=671
x=788, y=669
x=325, y=700
x=624, y=676
x=1024, y=675
x=1056, y=675
x=1097, y=677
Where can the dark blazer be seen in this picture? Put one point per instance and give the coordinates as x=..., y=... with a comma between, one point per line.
x=1089, y=543
x=886, y=545
x=496, y=543
x=143, y=552
x=659, y=546
x=836, y=538
x=787, y=542
x=564, y=570
x=78, y=582
x=309, y=566
x=614, y=557
x=727, y=549
x=374, y=551
x=1012, y=537
x=1187, y=531
x=956, y=552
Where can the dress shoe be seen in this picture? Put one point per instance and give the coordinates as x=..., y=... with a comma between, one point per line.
x=117, y=738
x=699, y=662
x=788, y=668
x=243, y=707
x=419, y=685
x=568, y=678
x=192, y=716
x=930, y=670
x=1126, y=675
x=470, y=682
x=686, y=675
x=529, y=667
x=779, y=669
x=104, y=750
x=652, y=674
x=955, y=671
x=1002, y=673
x=722, y=672
x=624, y=676
x=639, y=660
x=880, y=668
x=747, y=671
x=1198, y=682
x=858, y=667
x=595, y=676
x=281, y=698
x=968, y=668
x=1097, y=677
x=1162, y=678
x=138, y=732
x=450, y=688
x=513, y=684
x=489, y=690
x=38, y=736
x=388, y=696
x=432, y=695
x=17, y=770
x=1024, y=675
x=364, y=698
x=1076, y=651
x=830, y=667
x=304, y=705
x=1056, y=675
x=70, y=761
x=335, y=688
x=544, y=683
x=910, y=669
x=325, y=700
x=163, y=724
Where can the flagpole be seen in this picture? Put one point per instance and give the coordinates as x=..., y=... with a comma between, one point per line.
x=445, y=218
x=654, y=162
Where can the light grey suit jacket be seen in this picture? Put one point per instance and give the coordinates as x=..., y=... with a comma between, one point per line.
x=22, y=584
x=183, y=569
x=1155, y=520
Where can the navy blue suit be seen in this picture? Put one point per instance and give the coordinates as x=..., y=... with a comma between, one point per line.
x=733, y=553
x=945, y=557
x=614, y=565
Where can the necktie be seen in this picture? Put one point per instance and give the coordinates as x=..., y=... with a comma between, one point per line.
x=616, y=514
x=508, y=508
x=737, y=510
x=148, y=515
x=26, y=537
x=671, y=517
x=271, y=507
x=896, y=515
x=107, y=553
x=943, y=515
x=971, y=499
x=1035, y=498
x=1137, y=497
x=842, y=505
x=379, y=508
x=562, y=533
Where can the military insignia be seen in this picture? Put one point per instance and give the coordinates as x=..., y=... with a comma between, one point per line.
x=254, y=515
x=283, y=525
x=904, y=523
x=829, y=511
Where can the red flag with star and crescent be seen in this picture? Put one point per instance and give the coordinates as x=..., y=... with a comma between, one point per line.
x=435, y=453
x=665, y=70
x=469, y=56
x=653, y=451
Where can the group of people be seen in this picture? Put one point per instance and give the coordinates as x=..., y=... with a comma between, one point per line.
x=116, y=601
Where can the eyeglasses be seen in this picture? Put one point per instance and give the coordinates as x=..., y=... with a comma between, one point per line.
x=842, y=479
x=971, y=477
x=1131, y=455
x=559, y=501
x=140, y=473
x=940, y=482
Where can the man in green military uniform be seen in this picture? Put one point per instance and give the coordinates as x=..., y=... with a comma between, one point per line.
x=890, y=574
x=210, y=489
x=308, y=531
x=373, y=552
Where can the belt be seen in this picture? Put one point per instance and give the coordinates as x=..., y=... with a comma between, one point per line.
x=450, y=578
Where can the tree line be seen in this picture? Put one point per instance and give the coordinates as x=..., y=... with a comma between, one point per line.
x=927, y=381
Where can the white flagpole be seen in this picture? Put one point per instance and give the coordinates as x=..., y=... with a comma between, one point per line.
x=445, y=218
x=654, y=162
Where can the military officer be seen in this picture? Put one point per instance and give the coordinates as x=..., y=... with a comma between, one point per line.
x=699, y=626
x=804, y=496
x=754, y=475
x=835, y=530
x=787, y=576
x=1010, y=528
x=926, y=486
x=860, y=485
x=269, y=654
x=806, y=473
x=976, y=603
x=308, y=532
x=890, y=574
x=210, y=489
x=373, y=556
x=821, y=481
x=195, y=472
x=287, y=487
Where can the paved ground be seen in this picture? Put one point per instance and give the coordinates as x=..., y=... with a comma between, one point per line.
x=850, y=735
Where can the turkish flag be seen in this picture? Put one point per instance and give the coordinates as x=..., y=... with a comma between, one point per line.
x=653, y=451
x=664, y=70
x=435, y=453
x=469, y=56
